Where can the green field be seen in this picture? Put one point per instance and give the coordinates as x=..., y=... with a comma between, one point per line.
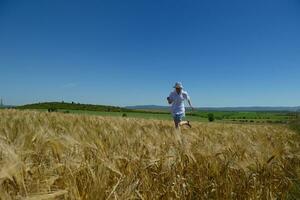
x=144, y=115
x=198, y=115
x=249, y=116
x=232, y=117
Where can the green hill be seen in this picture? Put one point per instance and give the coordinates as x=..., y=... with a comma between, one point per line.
x=54, y=106
x=73, y=106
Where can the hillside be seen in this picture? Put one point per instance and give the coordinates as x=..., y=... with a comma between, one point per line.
x=56, y=106
x=73, y=106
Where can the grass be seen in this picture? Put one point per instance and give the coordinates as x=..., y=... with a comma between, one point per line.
x=161, y=116
x=295, y=125
x=230, y=117
x=255, y=116
x=225, y=116
x=65, y=156
x=141, y=115
x=72, y=106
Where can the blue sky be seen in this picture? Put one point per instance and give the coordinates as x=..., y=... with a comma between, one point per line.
x=226, y=53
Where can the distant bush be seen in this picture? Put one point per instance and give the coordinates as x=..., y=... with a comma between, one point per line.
x=124, y=115
x=211, y=117
x=52, y=109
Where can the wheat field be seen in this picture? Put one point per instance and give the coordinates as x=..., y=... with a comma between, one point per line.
x=68, y=156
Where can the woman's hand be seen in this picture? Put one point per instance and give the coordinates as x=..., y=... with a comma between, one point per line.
x=193, y=109
x=169, y=100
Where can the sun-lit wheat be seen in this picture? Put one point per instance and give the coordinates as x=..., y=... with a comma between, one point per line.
x=64, y=156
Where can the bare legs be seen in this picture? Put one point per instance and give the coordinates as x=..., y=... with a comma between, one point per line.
x=182, y=123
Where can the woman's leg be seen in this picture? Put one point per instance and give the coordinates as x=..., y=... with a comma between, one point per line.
x=176, y=122
x=185, y=123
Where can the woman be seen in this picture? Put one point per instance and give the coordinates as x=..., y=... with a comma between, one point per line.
x=176, y=98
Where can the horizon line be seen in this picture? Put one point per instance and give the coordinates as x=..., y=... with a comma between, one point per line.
x=137, y=105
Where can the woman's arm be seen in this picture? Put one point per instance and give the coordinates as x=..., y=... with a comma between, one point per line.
x=169, y=100
x=189, y=101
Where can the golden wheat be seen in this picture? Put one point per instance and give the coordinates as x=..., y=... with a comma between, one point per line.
x=64, y=156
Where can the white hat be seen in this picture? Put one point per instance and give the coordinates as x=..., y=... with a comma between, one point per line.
x=178, y=85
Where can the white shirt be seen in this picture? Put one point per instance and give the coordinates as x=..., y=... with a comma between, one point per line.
x=178, y=102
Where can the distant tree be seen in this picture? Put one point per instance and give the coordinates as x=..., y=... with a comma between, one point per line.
x=124, y=115
x=211, y=117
